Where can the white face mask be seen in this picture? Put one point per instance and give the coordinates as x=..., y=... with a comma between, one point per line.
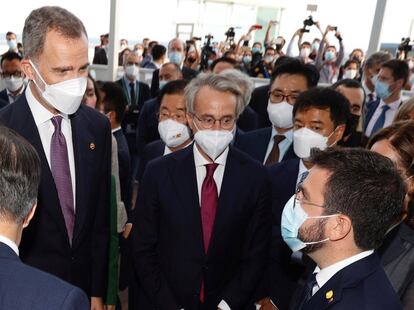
x=305, y=52
x=213, y=142
x=280, y=114
x=13, y=84
x=173, y=133
x=305, y=139
x=350, y=74
x=65, y=96
x=132, y=72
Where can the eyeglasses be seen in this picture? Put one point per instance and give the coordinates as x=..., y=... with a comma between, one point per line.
x=207, y=122
x=179, y=117
x=17, y=74
x=276, y=97
x=300, y=200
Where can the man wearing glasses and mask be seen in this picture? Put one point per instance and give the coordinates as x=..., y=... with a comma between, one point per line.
x=202, y=221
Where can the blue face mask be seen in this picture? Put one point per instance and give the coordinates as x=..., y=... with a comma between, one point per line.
x=175, y=57
x=382, y=90
x=12, y=44
x=329, y=56
x=293, y=217
x=255, y=50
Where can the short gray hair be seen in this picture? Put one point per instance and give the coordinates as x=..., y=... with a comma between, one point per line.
x=19, y=176
x=243, y=80
x=44, y=19
x=179, y=40
x=377, y=58
x=217, y=82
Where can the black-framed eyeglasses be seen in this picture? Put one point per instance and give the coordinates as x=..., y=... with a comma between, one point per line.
x=17, y=74
x=207, y=122
x=276, y=97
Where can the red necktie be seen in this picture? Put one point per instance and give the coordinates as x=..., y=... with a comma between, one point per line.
x=209, y=201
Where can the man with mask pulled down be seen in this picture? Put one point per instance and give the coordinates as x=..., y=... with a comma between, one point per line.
x=69, y=233
x=198, y=244
x=339, y=215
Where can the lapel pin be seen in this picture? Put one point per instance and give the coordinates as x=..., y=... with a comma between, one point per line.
x=92, y=146
x=329, y=295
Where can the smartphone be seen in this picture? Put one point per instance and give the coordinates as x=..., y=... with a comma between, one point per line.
x=258, y=26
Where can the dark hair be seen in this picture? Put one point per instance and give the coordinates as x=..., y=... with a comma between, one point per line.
x=9, y=55
x=350, y=83
x=324, y=99
x=114, y=100
x=306, y=43
x=399, y=69
x=19, y=176
x=377, y=58
x=96, y=90
x=352, y=61
x=364, y=186
x=292, y=66
x=228, y=60
x=158, y=51
x=175, y=87
x=9, y=33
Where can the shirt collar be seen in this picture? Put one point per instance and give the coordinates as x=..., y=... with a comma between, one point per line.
x=116, y=129
x=393, y=105
x=201, y=161
x=127, y=81
x=10, y=244
x=288, y=134
x=325, y=274
x=17, y=95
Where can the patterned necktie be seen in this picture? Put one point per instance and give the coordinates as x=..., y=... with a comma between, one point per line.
x=209, y=202
x=274, y=154
x=379, y=124
x=307, y=292
x=59, y=163
x=132, y=86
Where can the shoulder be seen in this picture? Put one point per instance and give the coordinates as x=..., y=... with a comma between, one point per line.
x=92, y=116
x=252, y=135
x=247, y=162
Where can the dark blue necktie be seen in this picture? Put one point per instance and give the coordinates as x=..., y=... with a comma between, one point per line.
x=307, y=290
x=379, y=124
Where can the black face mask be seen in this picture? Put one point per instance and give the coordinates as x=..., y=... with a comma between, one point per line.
x=351, y=125
x=191, y=60
x=279, y=47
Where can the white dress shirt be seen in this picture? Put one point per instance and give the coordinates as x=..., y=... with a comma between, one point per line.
x=13, y=98
x=283, y=146
x=10, y=244
x=201, y=172
x=325, y=274
x=389, y=115
x=43, y=121
x=116, y=129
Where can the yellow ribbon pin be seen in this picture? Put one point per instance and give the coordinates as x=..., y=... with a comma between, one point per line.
x=329, y=294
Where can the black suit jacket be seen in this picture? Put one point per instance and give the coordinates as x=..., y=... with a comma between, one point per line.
x=23, y=287
x=258, y=103
x=100, y=58
x=361, y=285
x=124, y=163
x=3, y=97
x=147, y=127
x=188, y=74
x=45, y=244
x=151, y=151
x=248, y=120
x=168, y=247
x=255, y=144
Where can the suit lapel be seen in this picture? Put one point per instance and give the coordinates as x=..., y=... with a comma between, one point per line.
x=370, y=113
x=264, y=143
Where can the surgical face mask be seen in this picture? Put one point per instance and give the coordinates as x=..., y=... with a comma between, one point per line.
x=173, y=133
x=305, y=52
x=175, y=57
x=279, y=41
x=139, y=52
x=329, y=56
x=210, y=62
x=315, y=46
x=65, y=96
x=213, y=142
x=162, y=84
x=280, y=114
x=13, y=84
x=132, y=72
x=269, y=59
x=293, y=217
x=350, y=74
x=255, y=50
x=374, y=78
x=382, y=90
x=305, y=139
x=247, y=59
x=12, y=44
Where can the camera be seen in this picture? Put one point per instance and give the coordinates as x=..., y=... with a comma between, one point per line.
x=404, y=48
x=206, y=52
x=230, y=34
x=308, y=23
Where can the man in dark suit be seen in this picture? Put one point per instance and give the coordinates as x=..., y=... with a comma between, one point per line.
x=258, y=102
x=21, y=286
x=100, y=57
x=176, y=54
x=147, y=127
x=69, y=233
x=338, y=217
x=274, y=144
x=12, y=76
x=196, y=244
x=381, y=112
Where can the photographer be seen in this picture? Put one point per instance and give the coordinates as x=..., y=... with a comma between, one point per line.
x=329, y=60
x=277, y=43
x=305, y=48
x=192, y=57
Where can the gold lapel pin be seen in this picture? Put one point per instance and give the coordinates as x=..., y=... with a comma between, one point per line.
x=329, y=295
x=92, y=146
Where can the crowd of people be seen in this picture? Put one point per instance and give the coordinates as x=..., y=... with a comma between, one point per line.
x=200, y=191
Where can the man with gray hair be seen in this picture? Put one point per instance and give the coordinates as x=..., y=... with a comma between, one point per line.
x=70, y=231
x=24, y=287
x=371, y=70
x=202, y=222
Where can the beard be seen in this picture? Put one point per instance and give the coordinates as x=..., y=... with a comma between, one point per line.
x=313, y=233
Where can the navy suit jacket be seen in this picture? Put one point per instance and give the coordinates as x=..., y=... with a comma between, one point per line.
x=361, y=285
x=188, y=74
x=4, y=97
x=370, y=108
x=258, y=103
x=255, y=144
x=45, y=244
x=147, y=127
x=168, y=246
x=124, y=163
x=151, y=151
x=248, y=120
x=23, y=287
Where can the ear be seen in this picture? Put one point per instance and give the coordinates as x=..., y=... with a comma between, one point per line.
x=29, y=216
x=339, y=133
x=27, y=69
x=338, y=227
